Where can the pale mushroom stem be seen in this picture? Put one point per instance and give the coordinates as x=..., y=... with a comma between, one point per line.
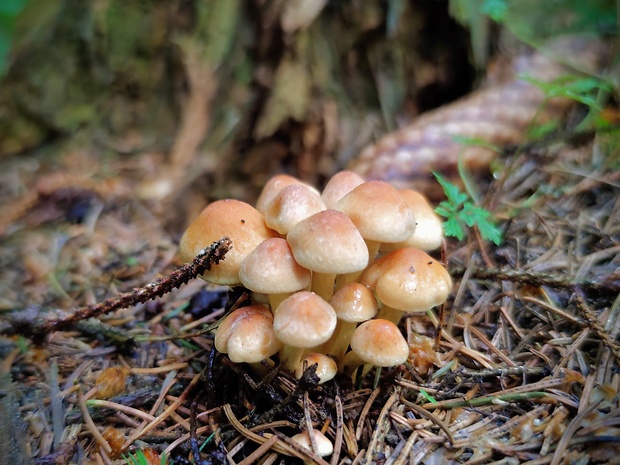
x=276, y=299
x=343, y=279
x=339, y=342
x=390, y=314
x=291, y=357
x=394, y=315
x=323, y=284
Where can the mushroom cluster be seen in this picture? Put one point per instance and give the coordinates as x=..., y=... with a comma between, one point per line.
x=331, y=272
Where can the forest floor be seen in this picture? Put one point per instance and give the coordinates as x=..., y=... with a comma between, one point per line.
x=524, y=370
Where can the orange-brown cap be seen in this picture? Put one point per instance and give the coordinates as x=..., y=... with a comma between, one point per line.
x=339, y=185
x=241, y=222
x=292, y=204
x=408, y=279
x=380, y=343
x=247, y=335
x=326, y=367
x=428, y=232
x=379, y=212
x=271, y=269
x=328, y=242
x=275, y=185
x=354, y=303
x=304, y=320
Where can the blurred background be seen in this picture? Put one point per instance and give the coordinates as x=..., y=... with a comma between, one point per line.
x=185, y=101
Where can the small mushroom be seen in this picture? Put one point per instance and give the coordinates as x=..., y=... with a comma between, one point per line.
x=274, y=185
x=379, y=212
x=428, y=233
x=241, y=222
x=247, y=335
x=324, y=446
x=292, y=204
x=407, y=280
x=328, y=244
x=339, y=185
x=326, y=367
x=377, y=342
x=353, y=303
x=271, y=269
x=302, y=321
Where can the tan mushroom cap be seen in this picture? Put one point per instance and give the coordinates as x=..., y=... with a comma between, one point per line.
x=271, y=269
x=339, y=185
x=323, y=444
x=304, y=320
x=380, y=343
x=247, y=335
x=379, y=212
x=328, y=242
x=292, y=204
x=354, y=303
x=409, y=280
x=274, y=185
x=428, y=233
x=241, y=222
x=326, y=367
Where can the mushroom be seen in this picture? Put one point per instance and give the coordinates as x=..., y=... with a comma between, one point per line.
x=379, y=212
x=328, y=244
x=302, y=321
x=407, y=280
x=247, y=335
x=241, y=222
x=292, y=204
x=339, y=185
x=353, y=303
x=274, y=186
x=326, y=367
x=428, y=233
x=271, y=269
x=318, y=444
x=376, y=342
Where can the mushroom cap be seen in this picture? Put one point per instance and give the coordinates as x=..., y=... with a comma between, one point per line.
x=304, y=320
x=408, y=279
x=428, y=233
x=292, y=204
x=247, y=335
x=354, y=303
x=379, y=212
x=241, y=222
x=326, y=367
x=339, y=185
x=328, y=242
x=380, y=343
x=275, y=185
x=324, y=446
x=271, y=269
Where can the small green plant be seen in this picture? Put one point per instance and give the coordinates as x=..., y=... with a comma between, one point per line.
x=461, y=212
x=589, y=91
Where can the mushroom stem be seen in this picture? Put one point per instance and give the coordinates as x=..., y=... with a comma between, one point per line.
x=391, y=314
x=323, y=284
x=343, y=279
x=291, y=357
x=276, y=299
x=339, y=342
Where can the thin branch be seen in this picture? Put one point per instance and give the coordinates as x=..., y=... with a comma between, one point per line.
x=531, y=278
x=207, y=257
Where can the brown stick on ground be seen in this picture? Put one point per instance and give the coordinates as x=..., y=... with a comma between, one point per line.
x=208, y=257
